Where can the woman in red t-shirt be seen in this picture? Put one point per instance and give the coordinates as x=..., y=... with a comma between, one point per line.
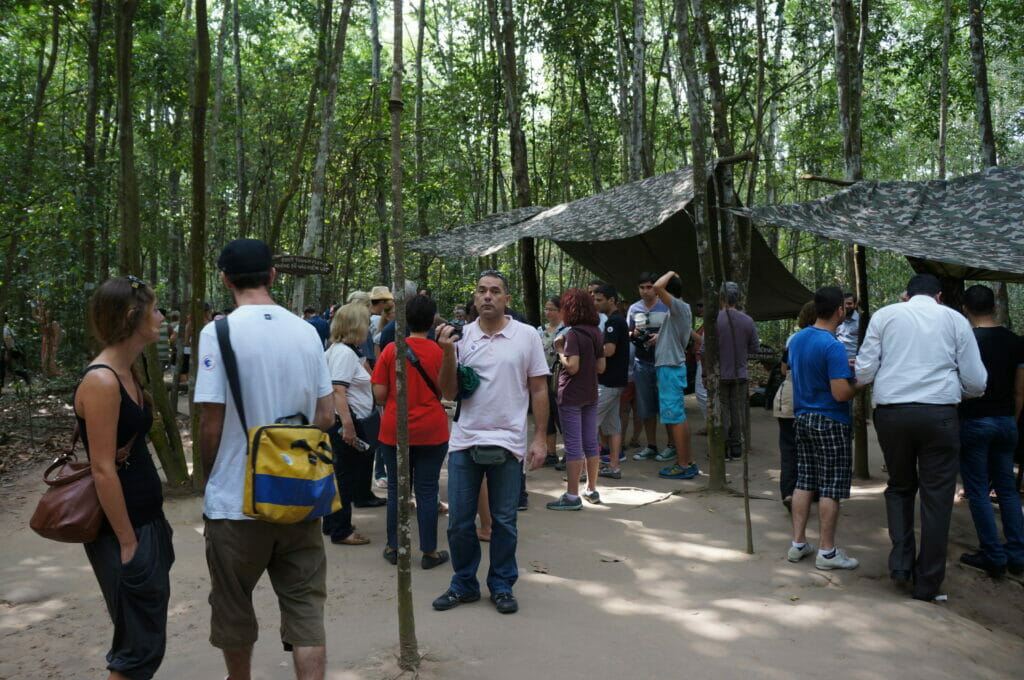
x=428, y=429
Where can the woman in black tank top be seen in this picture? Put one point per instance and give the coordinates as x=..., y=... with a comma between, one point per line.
x=132, y=555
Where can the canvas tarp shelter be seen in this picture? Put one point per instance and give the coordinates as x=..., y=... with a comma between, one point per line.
x=971, y=227
x=641, y=226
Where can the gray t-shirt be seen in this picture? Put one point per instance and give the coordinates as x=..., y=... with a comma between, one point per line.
x=674, y=335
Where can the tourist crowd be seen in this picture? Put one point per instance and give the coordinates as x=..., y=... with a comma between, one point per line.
x=947, y=390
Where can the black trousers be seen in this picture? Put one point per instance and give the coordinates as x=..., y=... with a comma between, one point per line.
x=921, y=445
x=136, y=594
x=338, y=525
x=734, y=396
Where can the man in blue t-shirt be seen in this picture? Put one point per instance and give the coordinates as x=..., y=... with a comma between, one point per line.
x=821, y=389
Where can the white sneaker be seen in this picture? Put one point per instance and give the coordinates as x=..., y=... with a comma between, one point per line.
x=796, y=554
x=647, y=454
x=668, y=454
x=838, y=561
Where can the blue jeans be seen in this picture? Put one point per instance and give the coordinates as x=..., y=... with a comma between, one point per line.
x=503, y=487
x=645, y=376
x=987, y=446
x=424, y=469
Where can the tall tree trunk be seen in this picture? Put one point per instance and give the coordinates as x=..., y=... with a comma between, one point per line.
x=588, y=124
x=164, y=435
x=703, y=226
x=981, y=99
x=662, y=72
x=505, y=38
x=295, y=170
x=944, y=86
x=639, y=164
x=197, y=244
x=735, y=232
x=91, y=180
x=421, y=199
x=107, y=131
x=213, y=195
x=759, y=102
x=24, y=182
x=850, y=42
x=129, y=252
x=241, y=180
x=623, y=87
x=773, y=124
x=380, y=181
x=983, y=115
x=314, y=224
x=409, y=657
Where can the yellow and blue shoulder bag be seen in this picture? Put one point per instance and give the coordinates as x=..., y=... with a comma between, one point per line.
x=289, y=470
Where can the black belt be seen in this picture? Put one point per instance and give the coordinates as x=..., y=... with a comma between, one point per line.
x=914, y=404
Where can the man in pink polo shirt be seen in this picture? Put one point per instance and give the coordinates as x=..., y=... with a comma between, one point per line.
x=490, y=438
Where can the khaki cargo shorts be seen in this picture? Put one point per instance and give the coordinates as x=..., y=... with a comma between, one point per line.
x=237, y=554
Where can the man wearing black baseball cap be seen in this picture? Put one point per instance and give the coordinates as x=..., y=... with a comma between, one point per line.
x=246, y=256
x=282, y=371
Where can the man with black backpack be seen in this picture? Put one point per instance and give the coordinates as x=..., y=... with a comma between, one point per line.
x=282, y=370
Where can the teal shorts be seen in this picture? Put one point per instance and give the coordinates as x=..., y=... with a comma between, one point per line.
x=671, y=384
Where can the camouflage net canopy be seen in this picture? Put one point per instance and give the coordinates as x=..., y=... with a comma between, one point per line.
x=971, y=227
x=636, y=227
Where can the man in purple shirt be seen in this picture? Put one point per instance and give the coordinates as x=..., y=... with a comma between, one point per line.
x=737, y=338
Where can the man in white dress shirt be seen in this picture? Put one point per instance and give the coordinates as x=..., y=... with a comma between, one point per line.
x=922, y=358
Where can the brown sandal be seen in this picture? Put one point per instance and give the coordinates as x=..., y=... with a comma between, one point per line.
x=352, y=539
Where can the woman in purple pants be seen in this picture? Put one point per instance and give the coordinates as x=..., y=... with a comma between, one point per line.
x=581, y=353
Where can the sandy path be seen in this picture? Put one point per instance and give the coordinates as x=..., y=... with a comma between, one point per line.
x=682, y=599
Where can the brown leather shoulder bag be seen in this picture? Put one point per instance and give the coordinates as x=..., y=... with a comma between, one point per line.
x=70, y=510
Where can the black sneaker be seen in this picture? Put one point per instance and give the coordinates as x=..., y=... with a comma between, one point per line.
x=902, y=579
x=1015, y=568
x=505, y=603
x=391, y=556
x=451, y=599
x=429, y=561
x=551, y=460
x=560, y=464
x=979, y=561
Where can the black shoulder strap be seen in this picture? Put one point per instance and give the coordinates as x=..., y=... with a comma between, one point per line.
x=415, y=361
x=227, y=355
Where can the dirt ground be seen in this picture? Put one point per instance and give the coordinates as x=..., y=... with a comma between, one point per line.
x=617, y=590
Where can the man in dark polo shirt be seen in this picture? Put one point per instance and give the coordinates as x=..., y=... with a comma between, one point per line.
x=988, y=439
x=616, y=374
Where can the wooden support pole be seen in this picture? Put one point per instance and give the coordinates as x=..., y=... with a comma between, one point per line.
x=862, y=401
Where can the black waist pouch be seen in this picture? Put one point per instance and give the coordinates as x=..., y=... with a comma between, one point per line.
x=488, y=455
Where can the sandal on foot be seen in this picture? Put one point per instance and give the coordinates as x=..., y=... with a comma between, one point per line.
x=352, y=539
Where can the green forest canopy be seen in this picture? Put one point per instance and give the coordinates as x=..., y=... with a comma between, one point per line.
x=580, y=71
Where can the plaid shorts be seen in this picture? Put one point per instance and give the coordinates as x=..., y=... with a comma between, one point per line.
x=824, y=455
